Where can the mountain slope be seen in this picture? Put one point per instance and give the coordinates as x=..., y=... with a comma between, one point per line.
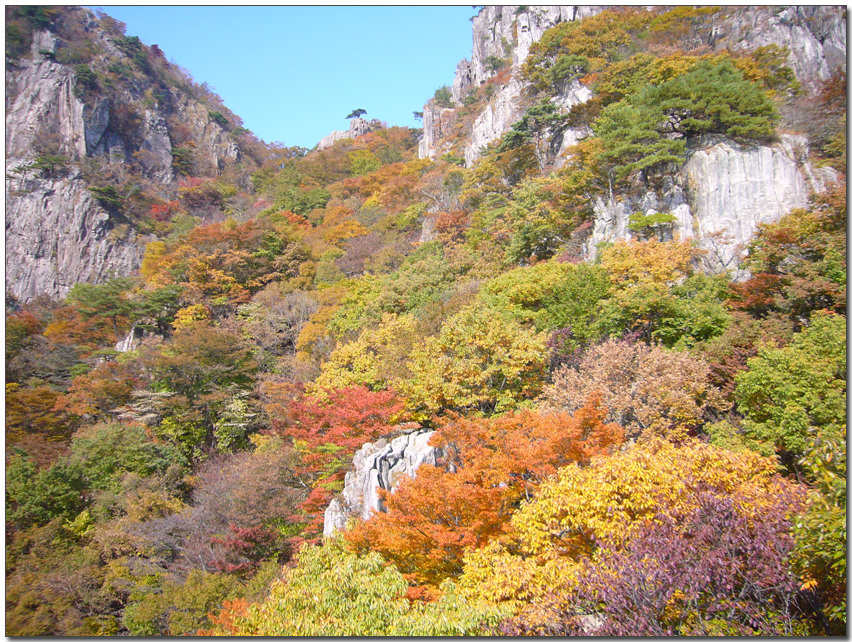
x=99, y=128
x=507, y=77
x=513, y=358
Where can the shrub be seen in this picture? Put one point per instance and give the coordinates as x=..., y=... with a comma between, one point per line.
x=85, y=77
x=444, y=97
x=218, y=118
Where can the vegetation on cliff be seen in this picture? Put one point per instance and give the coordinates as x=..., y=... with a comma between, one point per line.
x=631, y=445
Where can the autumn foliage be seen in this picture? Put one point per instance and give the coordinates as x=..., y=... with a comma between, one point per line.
x=326, y=430
x=489, y=467
x=638, y=437
x=538, y=565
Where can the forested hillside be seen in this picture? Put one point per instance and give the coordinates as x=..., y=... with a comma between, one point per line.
x=614, y=326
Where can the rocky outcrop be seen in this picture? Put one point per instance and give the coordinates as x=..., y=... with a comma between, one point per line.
x=357, y=127
x=95, y=123
x=382, y=464
x=499, y=33
x=724, y=191
x=491, y=124
x=732, y=190
x=720, y=196
x=57, y=235
x=156, y=148
x=43, y=109
x=213, y=147
x=131, y=341
x=814, y=35
x=507, y=107
x=437, y=123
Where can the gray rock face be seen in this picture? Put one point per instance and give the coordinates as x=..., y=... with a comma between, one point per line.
x=720, y=196
x=157, y=148
x=733, y=190
x=505, y=33
x=814, y=35
x=43, y=105
x=357, y=127
x=57, y=235
x=507, y=108
x=131, y=341
x=213, y=147
x=95, y=123
x=378, y=465
x=437, y=122
x=491, y=124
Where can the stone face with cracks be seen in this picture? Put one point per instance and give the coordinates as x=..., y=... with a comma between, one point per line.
x=499, y=32
x=720, y=196
x=382, y=464
x=815, y=37
x=57, y=234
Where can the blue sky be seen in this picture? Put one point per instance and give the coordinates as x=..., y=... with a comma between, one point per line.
x=293, y=73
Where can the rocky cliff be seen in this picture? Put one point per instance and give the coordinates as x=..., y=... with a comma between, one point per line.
x=502, y=35
x=719, y=197
x=724, y=190
x=815, y=38
x=57, y=235
x=382, y=464
x=87, y=106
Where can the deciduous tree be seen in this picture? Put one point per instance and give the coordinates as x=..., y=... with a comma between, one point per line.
x=481, y=361
x=612, y=499
x=332, y=592
x=106, y=387
x=489, y=467
x=792, y=395
x=821, y=551
x=722, y=569
x=648, y=390
x=327, y=429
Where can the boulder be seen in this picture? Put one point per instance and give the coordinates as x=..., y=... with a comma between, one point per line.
x=382, y=464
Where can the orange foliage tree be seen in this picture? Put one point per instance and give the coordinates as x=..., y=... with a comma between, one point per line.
x=225, y=261
x=490, y=466
x=107, y=386
x=327, y=429
x=34, y=423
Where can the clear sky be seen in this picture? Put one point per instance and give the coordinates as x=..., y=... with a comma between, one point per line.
x=293, y=73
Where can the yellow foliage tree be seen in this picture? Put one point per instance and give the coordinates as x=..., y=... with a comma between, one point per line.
x=612, y=499
x=643, y=274
x=332, y=592
x=376, y=359
x=481, y=361
x=636, y=263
